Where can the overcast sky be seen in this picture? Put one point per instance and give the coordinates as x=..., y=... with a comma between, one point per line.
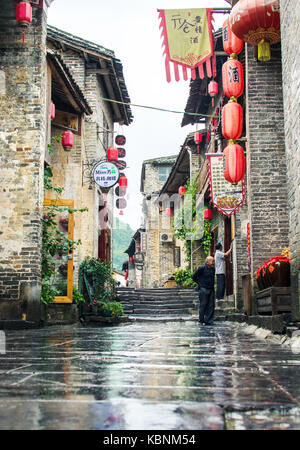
x=131, y=29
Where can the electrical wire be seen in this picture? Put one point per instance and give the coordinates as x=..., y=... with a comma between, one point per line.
x=158, y=109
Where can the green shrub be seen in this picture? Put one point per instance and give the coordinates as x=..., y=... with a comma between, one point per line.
x=183, y=277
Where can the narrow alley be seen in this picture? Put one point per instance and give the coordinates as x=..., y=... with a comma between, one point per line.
x=151, y=375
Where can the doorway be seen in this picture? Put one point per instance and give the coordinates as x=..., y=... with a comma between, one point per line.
x=228, y=259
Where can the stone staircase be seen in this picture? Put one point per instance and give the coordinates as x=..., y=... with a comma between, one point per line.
x=159, y=301
x=175, y=302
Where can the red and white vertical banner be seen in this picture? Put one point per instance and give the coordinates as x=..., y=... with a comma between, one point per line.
x=188, y=41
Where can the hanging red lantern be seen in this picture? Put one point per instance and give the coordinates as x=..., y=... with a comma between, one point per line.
x=233, y=78
x=168, y=211
x=121, y=203
x=234, y=163
x=120, y=139
x=67, y=141
x=231, y=43
x=232, y=120
x=207, y=214
x=121, y=213
x=52, y=111
x=258, y=23
x=123, y=181
x=213, y=90
x=112, y=154
x=181, y=190
x=197, y=139
x=24, y=16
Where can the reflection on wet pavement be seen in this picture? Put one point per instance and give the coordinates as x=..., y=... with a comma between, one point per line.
x=148, y=376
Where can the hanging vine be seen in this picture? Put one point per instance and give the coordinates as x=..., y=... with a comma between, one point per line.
x=182, y=232
x=54, y=242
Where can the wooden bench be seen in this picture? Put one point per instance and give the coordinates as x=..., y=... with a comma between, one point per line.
x=274, y=300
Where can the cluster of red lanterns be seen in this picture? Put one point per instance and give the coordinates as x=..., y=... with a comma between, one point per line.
x=232, y=113
x=113, y=154
x=24, y=16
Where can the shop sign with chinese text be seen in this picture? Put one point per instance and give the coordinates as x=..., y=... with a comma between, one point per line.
x=188, y=41
x=226, y=197
x=106, y=174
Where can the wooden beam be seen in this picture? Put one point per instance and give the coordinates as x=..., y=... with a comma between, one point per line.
x=64, y=87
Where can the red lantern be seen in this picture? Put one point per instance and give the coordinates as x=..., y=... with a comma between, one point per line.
x=121, y=203
x=198, y=139
x=207, y=215
x=24, y=16
x=168, y=212
x=232, y=120
x=181, y=190
x=120, y=139
x=67, y=140
x=112, y=154
x=231, y=43
x=233, y=78
x=213, y=89
x=258, y=23
x=121, y=213
x=123, y=181
x=52, y=110
x=234, y=163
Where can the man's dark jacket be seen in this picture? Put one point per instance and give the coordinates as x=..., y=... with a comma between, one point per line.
x=205, y=277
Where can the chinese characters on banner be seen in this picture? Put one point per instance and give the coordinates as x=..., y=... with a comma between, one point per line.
x=188, y=41
x=226, y=197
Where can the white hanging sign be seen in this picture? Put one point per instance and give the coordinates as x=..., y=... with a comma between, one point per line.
x=106, y=174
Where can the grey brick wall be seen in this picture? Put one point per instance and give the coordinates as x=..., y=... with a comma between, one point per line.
x=290, y=29
x=22, y=142
x=266, y=159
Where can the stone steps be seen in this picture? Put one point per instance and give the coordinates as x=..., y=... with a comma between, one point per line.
x=167, y=301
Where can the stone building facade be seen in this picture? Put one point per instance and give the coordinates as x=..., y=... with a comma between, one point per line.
x=23, y=140
x=158, y=263
x=74, y=74
x=270, y=139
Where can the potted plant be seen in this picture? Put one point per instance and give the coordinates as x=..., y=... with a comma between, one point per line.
x=112, y=309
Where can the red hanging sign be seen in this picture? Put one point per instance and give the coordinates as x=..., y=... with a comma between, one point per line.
x=224, y=196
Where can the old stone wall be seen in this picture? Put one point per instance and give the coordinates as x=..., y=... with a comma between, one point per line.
x=158, y=264
x=22, y=142
x=266, y=159
x=290, y=29
x=97, y=136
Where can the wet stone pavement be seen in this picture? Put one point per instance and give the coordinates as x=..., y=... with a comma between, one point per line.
x=147, y=376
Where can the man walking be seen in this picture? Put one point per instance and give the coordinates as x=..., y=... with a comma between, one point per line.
x=205, y=278
x=220, y=270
